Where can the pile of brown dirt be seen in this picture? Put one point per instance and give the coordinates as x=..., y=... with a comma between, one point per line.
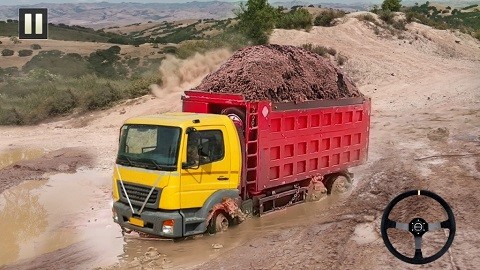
x=280, y=74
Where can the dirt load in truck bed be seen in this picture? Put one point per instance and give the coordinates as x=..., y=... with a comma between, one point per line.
x=280, y=74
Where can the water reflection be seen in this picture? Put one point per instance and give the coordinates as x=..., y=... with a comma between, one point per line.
x=12, y=156
x=22, y=218
x=68, y=212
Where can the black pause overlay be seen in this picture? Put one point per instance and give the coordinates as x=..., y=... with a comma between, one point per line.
x=33, y=23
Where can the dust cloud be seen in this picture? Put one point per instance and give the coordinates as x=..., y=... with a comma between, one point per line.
x=179, y=75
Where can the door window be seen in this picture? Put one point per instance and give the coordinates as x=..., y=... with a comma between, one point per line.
x=205, y=147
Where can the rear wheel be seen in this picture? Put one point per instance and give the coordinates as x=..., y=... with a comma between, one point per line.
x=218, y=223
x=338, y=184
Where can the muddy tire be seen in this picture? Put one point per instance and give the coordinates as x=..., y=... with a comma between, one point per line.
x=338, y=184
x=219, y=223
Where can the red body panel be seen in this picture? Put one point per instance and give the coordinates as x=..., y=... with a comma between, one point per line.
x=287, y=143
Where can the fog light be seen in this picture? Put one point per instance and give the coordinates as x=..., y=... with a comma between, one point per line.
x=167, y=227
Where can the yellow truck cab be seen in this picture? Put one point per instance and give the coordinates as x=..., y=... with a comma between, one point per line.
x=172, y=169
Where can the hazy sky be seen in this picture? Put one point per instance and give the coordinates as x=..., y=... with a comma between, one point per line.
x=30, y=2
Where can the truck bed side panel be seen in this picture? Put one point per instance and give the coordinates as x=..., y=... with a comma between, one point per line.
x=298, y=144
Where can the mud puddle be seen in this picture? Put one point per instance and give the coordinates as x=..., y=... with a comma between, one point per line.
x=65, y=221
x=42, y=216
x=10, y=157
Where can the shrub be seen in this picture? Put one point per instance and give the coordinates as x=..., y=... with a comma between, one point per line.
x=10, y=117
x=326, y=17
x=367, y=17
x=141, y=85
x=298, y=19
x=56, y=62
x=97, y=93
x=114, y=49
x=105, y=62
x=170, y=49
x=386, y=16
x=320, y=50
x=35, y=46
x=410, y=16
x=74, y=56
x=477, y=34
x=341, y=59
x=48, y=99
x=133, y=62
x=400, y=25
x=11, y=71
x=331, y=51
x=61, y=103
x=23, y=53
x=7, y=52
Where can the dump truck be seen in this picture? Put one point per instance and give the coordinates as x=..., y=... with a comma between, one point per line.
x=202, y=169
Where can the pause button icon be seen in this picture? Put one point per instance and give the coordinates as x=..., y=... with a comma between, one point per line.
x=33, y=23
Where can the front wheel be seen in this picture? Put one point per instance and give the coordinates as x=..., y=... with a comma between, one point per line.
x=218, y=223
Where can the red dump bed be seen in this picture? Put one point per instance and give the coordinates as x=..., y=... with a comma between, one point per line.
x=287, y=142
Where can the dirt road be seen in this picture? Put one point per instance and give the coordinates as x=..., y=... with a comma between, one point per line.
x=426, y=104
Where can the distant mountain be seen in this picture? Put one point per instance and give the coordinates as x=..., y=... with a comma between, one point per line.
x=103, y=14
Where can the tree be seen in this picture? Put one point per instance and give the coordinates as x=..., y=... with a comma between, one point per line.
x=392, y=5
x=256, y=20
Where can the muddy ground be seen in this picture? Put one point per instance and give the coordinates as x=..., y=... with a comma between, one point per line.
x=63, y=160
x=425, y=133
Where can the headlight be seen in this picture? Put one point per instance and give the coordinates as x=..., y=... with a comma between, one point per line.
x=167, y=227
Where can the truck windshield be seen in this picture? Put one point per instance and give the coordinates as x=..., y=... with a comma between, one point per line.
x=148, y=146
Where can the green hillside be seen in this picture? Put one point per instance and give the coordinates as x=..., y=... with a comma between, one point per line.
x=61, y=32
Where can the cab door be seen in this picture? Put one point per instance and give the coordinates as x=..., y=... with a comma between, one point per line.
x=211, y=172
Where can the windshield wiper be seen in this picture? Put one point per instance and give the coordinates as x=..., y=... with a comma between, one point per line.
x=123, y=156
x=158, y=166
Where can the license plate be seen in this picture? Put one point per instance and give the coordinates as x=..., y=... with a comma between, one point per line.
x=136, y=221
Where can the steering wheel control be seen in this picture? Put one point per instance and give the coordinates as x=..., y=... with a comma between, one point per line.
x=418, y=227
